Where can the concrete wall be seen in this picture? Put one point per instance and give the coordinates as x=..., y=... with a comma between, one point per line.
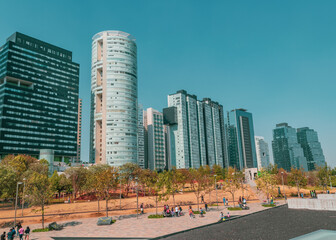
x=312, y=204
x=326, y=196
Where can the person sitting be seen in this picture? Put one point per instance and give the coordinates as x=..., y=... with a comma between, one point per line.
x=228, y=215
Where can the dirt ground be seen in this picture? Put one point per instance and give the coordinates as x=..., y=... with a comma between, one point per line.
x=90, y=209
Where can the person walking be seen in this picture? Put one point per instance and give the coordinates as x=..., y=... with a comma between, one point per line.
x=142, y=209
x=227, y=202
x=177, y=211
x=224, y=201
x=27, y=233
x=3, y=236
x=21, y=232
x=206, y=206
x=201, y=212
x=202, y=199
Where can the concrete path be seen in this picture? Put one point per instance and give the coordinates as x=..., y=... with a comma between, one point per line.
x=140, y=228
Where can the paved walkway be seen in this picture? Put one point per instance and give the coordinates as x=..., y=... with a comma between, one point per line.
x=142, y=227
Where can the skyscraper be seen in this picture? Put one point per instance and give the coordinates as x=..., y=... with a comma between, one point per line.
x=287, y=152
x=155, y=142
x=195, y=131
x=263, y=158
x=114, y=98
x=311, y=146
x=141, y=139
x=79, y=131
x=240, y=139
x=39, y=98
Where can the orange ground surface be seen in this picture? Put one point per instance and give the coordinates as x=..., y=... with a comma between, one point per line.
x=63, y=209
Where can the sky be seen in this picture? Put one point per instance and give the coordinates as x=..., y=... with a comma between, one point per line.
x=275, y=58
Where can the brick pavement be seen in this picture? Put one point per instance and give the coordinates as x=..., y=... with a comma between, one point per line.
x=140, y=228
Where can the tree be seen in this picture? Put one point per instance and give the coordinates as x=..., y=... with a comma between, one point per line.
x=60, y=183
x=297, y=179
x=128, y=172
x=78, y=178
x=20, y=163
x=39, y=190
x=174, y=180
x=232, y=182
x=197, y=182
x=209, y=181
x=156, y=183
x=323, y=176
x=8, y=181
x=266, y=183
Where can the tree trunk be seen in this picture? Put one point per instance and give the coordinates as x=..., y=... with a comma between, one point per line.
x=42, y=210
x=156, y=201
x=234, y=205
x=198, y=201
x=106, y=206
x=173, y=198
x=98, y=206
x=210, y=196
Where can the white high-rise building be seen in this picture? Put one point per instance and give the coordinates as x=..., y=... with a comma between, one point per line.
x=114, y=125
x=195, y=131
x=141, y=138
x=155, y=142
x=263, y=158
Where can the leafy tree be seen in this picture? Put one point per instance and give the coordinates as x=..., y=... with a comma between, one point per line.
x=219, y=171
x=39, y=190
x=297, y=179
x=174, y=180
x=78, y=178
x=156, y=183
x=8, y=181
x=197, y=182
x=323, y=176
x=20, y=163
x=128, y=173
x=232, y=182
x=60, y=183
x=312, y=178
x=272, y=169
x=266, y=183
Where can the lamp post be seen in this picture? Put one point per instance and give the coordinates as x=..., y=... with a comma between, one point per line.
x=24, y=187
x=216, y=190
x=283, y=187
x=17, y=189
x=136, y=184
x=330, y=183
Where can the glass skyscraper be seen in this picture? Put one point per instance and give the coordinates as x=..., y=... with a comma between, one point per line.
x=263, y=157
x=114, y=95
x=287, y=152
x=38, y=98
x=240, y=139
x=311, y=146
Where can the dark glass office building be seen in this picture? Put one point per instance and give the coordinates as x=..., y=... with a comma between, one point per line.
x=38, y=98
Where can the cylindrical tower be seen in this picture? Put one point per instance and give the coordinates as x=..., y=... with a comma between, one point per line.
x=114, y=92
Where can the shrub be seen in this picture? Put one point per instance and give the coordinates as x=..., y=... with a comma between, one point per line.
x=156, y=216
x=41, y=230
x=235, y=208
x=268, y=205
x=113, y=221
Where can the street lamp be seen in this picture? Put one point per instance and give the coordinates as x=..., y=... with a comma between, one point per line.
x=330, y=183
x=17, y=189
x=136, y=184
x=24, y=187
x=216, y=190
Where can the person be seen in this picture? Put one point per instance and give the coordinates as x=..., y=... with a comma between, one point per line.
x=191, y=214
x=244, y=201
x=202, y=199
x=206, y=206
x=9, y=234
x=177, y=211
x=224, y=201
x=227, y=202
x=142, y=209
x=27, y=232
x=221, y=216
x=228, y=214
x=3, y=236
x=172, y=211
x=271, y=199
x=201, y=212
x=21, y=232
x=164, y=208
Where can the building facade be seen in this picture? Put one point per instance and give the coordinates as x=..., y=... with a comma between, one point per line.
x=195, y=131
x=311, y=146
x=155, y=142
x=287, y=152
x=114, y=92
x=240, y=139
x=39, y=98
x=263, y=158
x=79, y=131
x=141, y=139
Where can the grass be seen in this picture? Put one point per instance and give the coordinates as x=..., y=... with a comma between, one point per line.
x=198, y=212
x=156, y=216
x=268, y=205
x=41, y=230
x=113, y=221
x=214, y=205
x=235, y=208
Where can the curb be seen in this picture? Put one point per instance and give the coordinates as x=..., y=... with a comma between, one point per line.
x=211, y=224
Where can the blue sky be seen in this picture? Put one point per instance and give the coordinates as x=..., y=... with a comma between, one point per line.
x=275, y=58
